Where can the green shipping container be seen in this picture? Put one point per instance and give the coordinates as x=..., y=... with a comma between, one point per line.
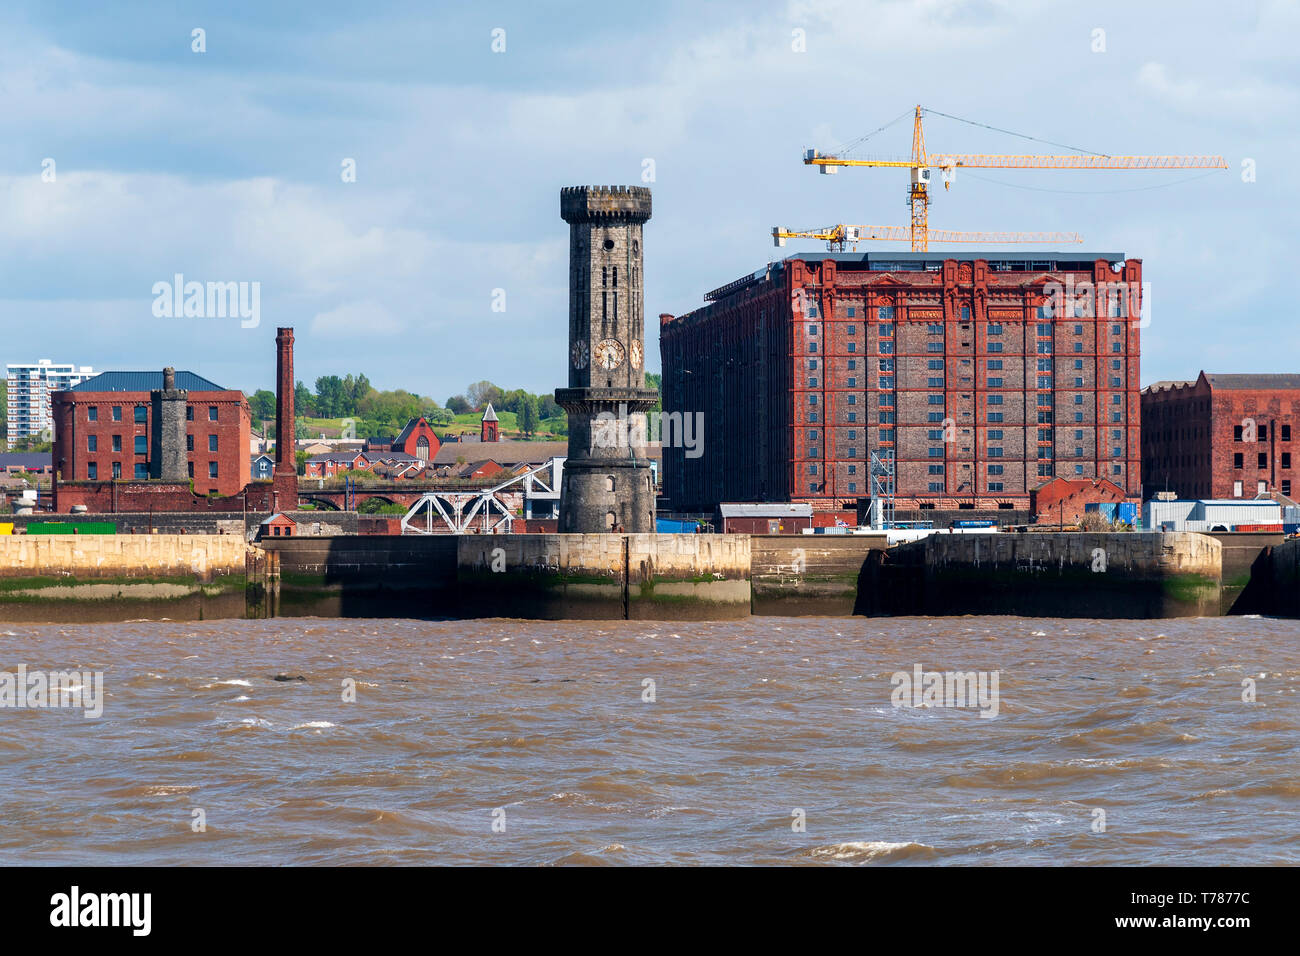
x=66, y=527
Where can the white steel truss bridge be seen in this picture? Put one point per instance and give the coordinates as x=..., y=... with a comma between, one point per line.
x=484, y=511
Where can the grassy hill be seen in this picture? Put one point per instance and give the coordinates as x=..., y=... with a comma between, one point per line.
x=467, y=424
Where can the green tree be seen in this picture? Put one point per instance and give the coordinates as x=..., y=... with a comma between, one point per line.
x=527, y=413
x=459, y=405
x=304, y=402
x=393, y=408
x=429, y=408
x=262, y=404
x=655, y=380
x=511, y=401
x=329, y=397
x=480, y=393
x=546, y=407
x=361, y=387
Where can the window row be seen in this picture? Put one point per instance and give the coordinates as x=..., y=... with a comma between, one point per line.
x=141, y=470
x=140, y=413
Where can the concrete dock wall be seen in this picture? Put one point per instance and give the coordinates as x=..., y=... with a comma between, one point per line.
x=121, y=556
x=602, y=576
x=366, y=575
x=638, y=576
x=93, y=577
x=810, y=574
x=1247, y=584
x=1284, y=569
x=1114, y=575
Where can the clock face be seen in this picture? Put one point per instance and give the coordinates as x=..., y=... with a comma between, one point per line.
x=635, y=353
x=579, y=354
x=608, y=354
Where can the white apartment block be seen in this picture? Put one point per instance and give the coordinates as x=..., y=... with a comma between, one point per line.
x=28, y=389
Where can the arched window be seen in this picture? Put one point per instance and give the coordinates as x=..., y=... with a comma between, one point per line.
x=422, y=448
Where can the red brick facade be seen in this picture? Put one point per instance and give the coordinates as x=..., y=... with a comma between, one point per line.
x=1221, y=436
x=1064, y=501
x=329, y=465
x=219, y=413
x=418, y=440
x=955, y=367
x=101, y=436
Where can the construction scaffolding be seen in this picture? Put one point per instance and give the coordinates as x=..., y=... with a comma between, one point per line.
x=882, y=489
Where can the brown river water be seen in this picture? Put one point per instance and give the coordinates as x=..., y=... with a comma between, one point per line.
x=520, y=742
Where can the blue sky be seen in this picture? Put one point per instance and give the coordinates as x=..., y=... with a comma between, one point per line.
x=225, y=165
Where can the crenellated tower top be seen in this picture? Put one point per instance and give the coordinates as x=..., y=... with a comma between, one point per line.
x=604, y=204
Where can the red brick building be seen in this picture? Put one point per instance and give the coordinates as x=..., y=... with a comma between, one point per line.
x=489, y=428
x=957, y=367
x=330, y=463
x=1065, y=501
x=104, y=429
x=418, y=440
x=178, y=416
x=1221, y=436
x=405, y=456
x=278, y=525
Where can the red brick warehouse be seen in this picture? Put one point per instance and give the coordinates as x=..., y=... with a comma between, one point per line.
x=169, y=441
x=952, y=365
x=104, y=429
x=1221, y=436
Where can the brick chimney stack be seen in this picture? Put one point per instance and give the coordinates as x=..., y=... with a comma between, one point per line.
x=285, y=462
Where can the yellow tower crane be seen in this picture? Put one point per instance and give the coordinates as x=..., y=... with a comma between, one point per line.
x=921, y=164
x=838, y=236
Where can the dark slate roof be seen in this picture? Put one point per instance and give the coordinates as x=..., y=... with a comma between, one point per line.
x=339, y=456
x=1232, y=382
x=470, y=467
x=144, y=382
x=17, y=459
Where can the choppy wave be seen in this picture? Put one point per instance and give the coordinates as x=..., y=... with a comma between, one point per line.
x=466, y=748
x=872, y=851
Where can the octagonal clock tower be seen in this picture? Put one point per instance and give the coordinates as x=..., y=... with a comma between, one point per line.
x=608, y=484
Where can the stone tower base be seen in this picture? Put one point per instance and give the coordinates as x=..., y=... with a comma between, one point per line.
x=608, y=494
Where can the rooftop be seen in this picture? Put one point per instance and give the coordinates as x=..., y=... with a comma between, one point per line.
x=999, y=261
x=502, y=452
x=1233, y=382
x=18, y=459
x=144, y=382
x=411, y=425
x=776, y=509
